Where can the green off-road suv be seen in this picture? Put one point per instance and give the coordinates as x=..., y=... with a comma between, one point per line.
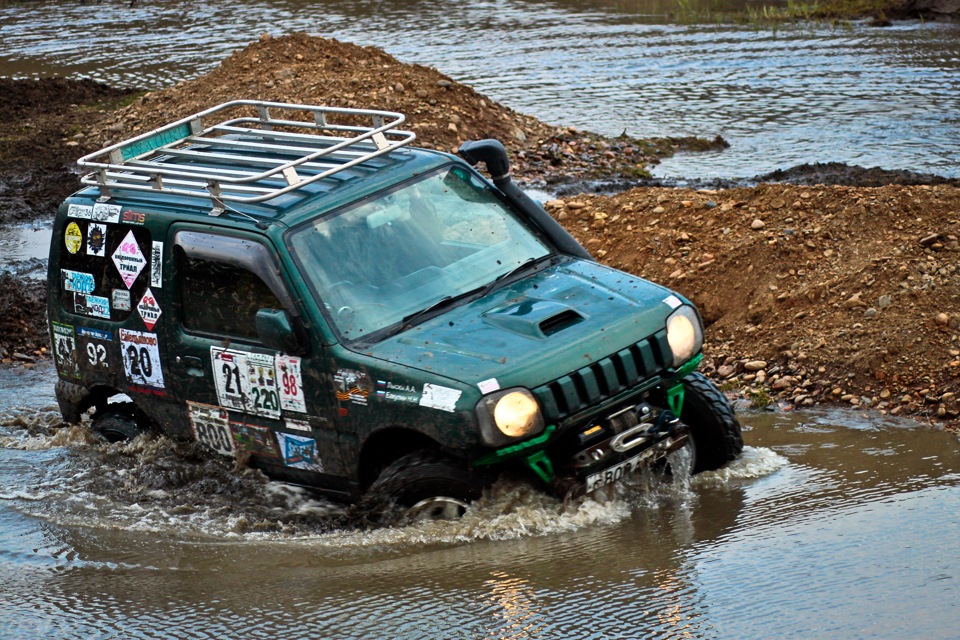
x=295, y=286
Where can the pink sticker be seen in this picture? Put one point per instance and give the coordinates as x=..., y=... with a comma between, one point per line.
x=129, y=259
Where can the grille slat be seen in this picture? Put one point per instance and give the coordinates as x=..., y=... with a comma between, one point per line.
x=604, y=379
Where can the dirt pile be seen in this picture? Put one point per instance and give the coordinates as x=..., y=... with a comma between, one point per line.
x=443, y=113
x=842, y=294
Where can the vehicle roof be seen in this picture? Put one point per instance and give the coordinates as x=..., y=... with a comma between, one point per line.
x=345, y=186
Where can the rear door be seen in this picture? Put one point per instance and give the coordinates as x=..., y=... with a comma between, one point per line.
x=242, y=398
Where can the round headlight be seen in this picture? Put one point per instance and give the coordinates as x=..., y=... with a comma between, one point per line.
x=516, y=414
x=684, y=334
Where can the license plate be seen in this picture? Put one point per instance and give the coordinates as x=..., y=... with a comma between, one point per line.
x=614, y=473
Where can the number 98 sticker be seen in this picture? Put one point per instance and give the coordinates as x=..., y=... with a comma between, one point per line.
x=141, y=358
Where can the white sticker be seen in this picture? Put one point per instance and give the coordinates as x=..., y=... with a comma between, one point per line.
x=149, y=309
x=96, y=240
x=211, y=427
x=291, y=384
x=82, y=211
x=129, y=259
x=103, y=212
x=141, y=358
x=672, y=301
x=156, y=265
x=486, y=386
x=121, y=300
x=298, y=425
x=246, y=381
x=299, y=452
x=438, y=397
x=77, y=281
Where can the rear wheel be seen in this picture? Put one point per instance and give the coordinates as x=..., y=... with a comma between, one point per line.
x=427, y=485
x=714, y=429
x=117, y=422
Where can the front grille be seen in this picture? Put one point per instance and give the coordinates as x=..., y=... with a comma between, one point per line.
x=605, y=378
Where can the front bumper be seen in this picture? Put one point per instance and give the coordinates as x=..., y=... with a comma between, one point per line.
x=607, y=451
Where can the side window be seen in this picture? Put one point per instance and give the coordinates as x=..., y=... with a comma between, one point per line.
x=221, y=299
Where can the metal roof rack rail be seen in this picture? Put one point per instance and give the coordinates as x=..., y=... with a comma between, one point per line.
x=248, y=158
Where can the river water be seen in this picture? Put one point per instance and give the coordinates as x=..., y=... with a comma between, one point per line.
x=834, y=523
x=887, y=97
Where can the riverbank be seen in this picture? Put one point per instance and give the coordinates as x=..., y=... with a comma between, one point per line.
x=837, y=294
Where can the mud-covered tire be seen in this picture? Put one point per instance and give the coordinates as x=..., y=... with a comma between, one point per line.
x=713, y=426
x=117, y=422
x=423, y=475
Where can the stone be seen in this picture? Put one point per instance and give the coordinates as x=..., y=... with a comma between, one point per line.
x=884, y=301
x=755, y=365
x=757, y=224
x=869, y=313
x=658, y=210
x=942, y=319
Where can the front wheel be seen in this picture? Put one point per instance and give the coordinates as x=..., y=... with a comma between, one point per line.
x=714, y=429
x=428, y=485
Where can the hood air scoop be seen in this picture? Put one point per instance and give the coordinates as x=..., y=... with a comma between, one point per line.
x=533, y=318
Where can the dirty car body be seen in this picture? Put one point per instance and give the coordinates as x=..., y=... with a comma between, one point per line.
x=328, y=328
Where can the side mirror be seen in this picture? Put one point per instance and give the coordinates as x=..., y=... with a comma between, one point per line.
x=276, y=331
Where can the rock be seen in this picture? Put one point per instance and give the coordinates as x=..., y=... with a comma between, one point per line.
x=755, y=365
x=869, y=313
x=942, y=319
x=658, y=210
x=725, y=371
x=710, y=204
x=757, y=224
x=444, y=83
x=884, y=301
x=853, y=301
x=22, y=357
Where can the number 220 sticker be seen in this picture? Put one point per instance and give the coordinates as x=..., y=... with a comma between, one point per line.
x=246, y=381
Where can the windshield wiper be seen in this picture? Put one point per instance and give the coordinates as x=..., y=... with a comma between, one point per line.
x=439, y=304
x=501, y=279
x=481, y=291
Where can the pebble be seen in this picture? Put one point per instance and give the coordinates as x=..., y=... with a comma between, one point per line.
x=869, y=313
x=755, y=365
x=884, y=301
x=757, y=224
x=942, y=319
x=658, y=210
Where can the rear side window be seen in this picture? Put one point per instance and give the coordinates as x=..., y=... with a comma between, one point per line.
x=221, y=299
x=105, y=268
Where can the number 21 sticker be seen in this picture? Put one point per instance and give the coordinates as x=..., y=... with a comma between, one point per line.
x=246, y=381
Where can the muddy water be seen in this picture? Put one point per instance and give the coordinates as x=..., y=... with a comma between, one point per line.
x=832, y=525
x=887, y=97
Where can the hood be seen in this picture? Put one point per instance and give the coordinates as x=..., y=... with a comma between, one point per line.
x=536, y=329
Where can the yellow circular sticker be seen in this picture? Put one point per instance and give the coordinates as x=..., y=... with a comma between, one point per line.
x=73, y=237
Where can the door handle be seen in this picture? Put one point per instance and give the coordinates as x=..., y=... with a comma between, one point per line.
x=194, y=365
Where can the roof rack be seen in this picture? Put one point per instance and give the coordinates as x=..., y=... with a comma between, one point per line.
x=249, y=158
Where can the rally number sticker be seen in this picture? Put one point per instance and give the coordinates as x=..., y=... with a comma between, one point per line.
x=141, y=358
x=211, y=427
x=246, y=382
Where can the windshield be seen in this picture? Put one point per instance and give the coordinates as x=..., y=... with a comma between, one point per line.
x=382, y=260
